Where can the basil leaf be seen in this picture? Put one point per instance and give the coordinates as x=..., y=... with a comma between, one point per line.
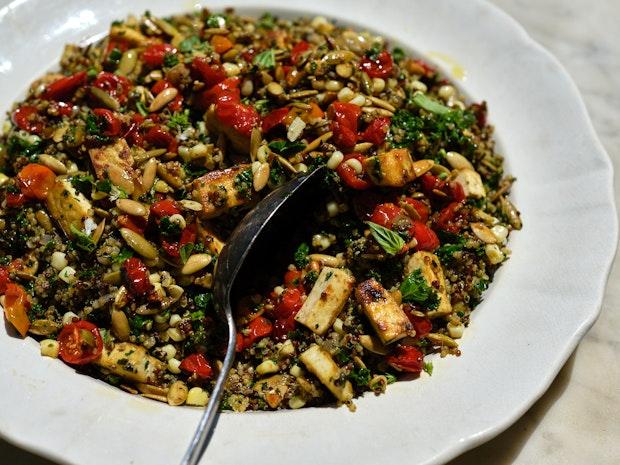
x=430, y=104
x=186, y=251
x=391, y=242
x=266, y=59
x=286, y=147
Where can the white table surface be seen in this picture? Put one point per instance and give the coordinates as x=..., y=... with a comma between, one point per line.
x=578, y=420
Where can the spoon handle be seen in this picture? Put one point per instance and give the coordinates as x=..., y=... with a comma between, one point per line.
x=202, y=436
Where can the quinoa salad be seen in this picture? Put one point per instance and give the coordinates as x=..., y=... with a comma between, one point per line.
x=123, y=173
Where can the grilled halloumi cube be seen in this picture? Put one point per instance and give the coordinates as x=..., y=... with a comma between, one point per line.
x=115, y=161
x=471, y=182
x=430, y=267
x=131, y=362
x=326, y=299
x=68, y=206
x=218, y=191
x=387, y=318
x=395, y=168
x=321, y=364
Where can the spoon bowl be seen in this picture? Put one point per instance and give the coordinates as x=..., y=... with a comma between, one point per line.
x=267, y=229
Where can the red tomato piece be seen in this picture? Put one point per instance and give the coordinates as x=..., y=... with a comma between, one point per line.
x=384, y=214
x=209, y=73
x=16, y=306
x=298, y=49
x=14, y=200
x=115, y=85
x=35, y=180
x=165, y=207
x=257, y=329
x=348, y=174
x=420, y=207
x=154, y=54
x=274, y=118
x=448, y=218
x=119, y=44
x=64, y=88
x=292, y=278
x=406, y=358
x=282, y=327
x=289, y=304
x=159, y=86
x=376, y=131
x=159, y=137
x=135, y=223
x=225, y=91
x=28, y=119
x=135, y=275
x=188, y=235
x=63, y=108
x=112, y=123
x=380, y=67
x=456, y=191
x=430, y=183
x=171, y=248
x=344, y=118
x=422, y=325
x=4, y=279
x=198, y=365
x=426, y=237
x=80, y=343
x=240, y=117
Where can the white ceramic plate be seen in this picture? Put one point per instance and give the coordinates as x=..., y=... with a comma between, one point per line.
x=540, y=305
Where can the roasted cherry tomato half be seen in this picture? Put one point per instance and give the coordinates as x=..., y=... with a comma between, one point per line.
x=154, y=54
x=242, y=118
x=80, y=343
x=16, y=306
x=35, y=181
x=298, y=49
x=350, y=176
x=64, y=88
x=384, y=214
x=379, y=67
x=406, y=358
x=274, y=118
x=209, y=73
x=344, y=118
x=115, y=85
x=425, y=236
x=28, y=119
x=135, y=276
x=376, y=131
x=112, y=125
x=198, y=365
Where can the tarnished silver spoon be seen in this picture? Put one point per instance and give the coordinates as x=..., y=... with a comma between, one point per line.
x=265, y=229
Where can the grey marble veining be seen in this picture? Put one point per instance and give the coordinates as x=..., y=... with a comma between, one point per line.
x=578, y=420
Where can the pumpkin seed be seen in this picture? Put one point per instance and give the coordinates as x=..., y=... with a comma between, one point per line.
x=148, y=174
x=131, y=207
x=139, y=243
x=196, y=263
x=120, y=325
x=105, y=99
x=163, y=98
x=127, y=63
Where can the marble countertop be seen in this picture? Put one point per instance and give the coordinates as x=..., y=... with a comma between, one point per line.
x=576, y=421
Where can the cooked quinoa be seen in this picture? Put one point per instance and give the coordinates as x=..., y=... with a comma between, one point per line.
x=123, y=174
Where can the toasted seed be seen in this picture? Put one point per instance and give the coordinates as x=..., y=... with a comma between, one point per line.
x=335, y=159
x=113, y=277
x=178, y=220
x=345, y=94
x=196, y=263
x=163, y=98
x=286, y=164
x=316, y=142
x=275, y=89
x=441, y=339
x=105, y=99
x=148, y=174
x=378, y=85
x=382, y=103
x=366, y=83
x=177, y=394
x=483, y=233
x=98, y=232
x=326, y=260
x=120, y=325
x=363, y=147
x=139, y=243
x=121, y=179
x=127, y=63
x=422, y=166
x=53, y=163
x=458, y=161
x=344, y=70
x=337, y=56
x=44, y=220
x=191, y=205
x=255, y=141
x=302, y=94
x=261, y=176
x=247, y=88
x=333, y=85
x=121, y=298
x=131, y=207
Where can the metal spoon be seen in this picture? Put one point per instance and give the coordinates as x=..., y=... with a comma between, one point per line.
x=251, y=242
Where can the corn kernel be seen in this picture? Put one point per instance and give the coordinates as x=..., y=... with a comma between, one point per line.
x=49, y=348
x=197, y=396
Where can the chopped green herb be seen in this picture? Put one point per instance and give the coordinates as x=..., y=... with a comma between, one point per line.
x=390, y=241
x=185, y=251
x=216, y=21
x=398, y=54
x=310, y=278
x=286, y=147
x=360, y=376
x=168, y=228
x=136, y=324
x=141, y=108
x=447, y=250
x=115, y=55
x=263, y=106
x=243, y=183
x=83, y=183
x=266, y=59
x=390, y=378
x=415, y=289
x=179, y=121
x=428, y=367
x=123, y=255
x=267, y=21
x=276, y=175
x=203, y=301
x=24, y=144
x=170, y=60
x=301, y=255
x=81, y=240
x=187, y=45
x=104, y=185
